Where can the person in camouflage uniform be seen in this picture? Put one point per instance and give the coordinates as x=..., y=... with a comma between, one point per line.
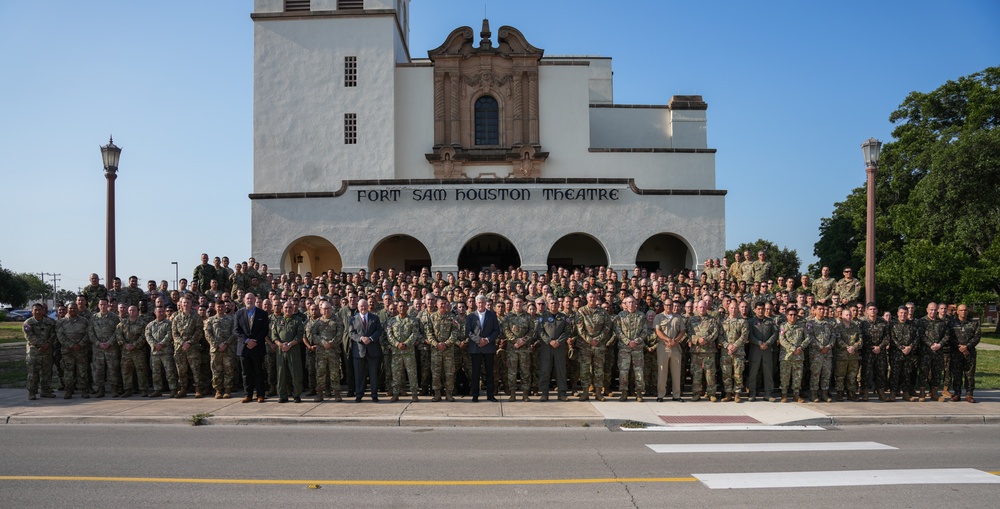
x=161, y=358
x=732, y=344
x=203, y=275
x=631, y=335
x=736, y=269
x=222, y=346
x=553, y=332
x=323, y=336
x=903, y=355
x=874, y=354
x=821, y=338
x=443, y=334
x=516, y=328
x=823, y=287
x=703, y=333
x=105, y=354
x=594, y=328
x=187, y=330
x=848, y=350
x=423, y=308
x=94, y=292
x=762, y=271
x=386, y=313
x=404, y=335
x=40, y=341
x=792, y=338
x=849, y=288
x=965, y=335
x=933, y=333
x=286, y=340
x=73, y=333
x=131, y=338
x=132, y=294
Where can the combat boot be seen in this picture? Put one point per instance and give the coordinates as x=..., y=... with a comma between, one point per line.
x=524, y=397
x=218, y=395
x=696, y=397
x=815, y=396
x=414, y=398
x=880, y=394
x=584, y=396
x=922, y=396
x=127, y=394
x=599, y=396
x=728, y=397
x=638, y=398
x=935, y=396
x=713, y=398
x=437, y=395
x=969, y=398
x=956, y=397
x=784, y=397
x=449, y=397
x=840, y=396
x=319, y=397
x=736, y=397
x=336, y=396
x=100, y=392
x=945, y=393
x=394, y=398
x=800, y=399
x=68, y=395
x=31, y=396
x=48, y=394
x=623, y=397
x=180, y=393
x=826, y=397
x=84, y=394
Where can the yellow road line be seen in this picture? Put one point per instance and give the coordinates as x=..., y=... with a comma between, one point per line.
x=345, y=482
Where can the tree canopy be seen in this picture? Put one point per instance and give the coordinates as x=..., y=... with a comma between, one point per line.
x=19, y=289
x=937, y=201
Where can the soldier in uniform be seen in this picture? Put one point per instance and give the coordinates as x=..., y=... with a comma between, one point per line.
x=965, y=335
x=703, y=333
x=187, y=329
x=345, y=314
x=848, y=350
x=821, y=337
x=792, y=338
x=94, y=292
x=594, y=327
x=933, y=333
x=219, y=331
x=131, y=338
x=404, y=335
x=874, y=354
x=40, y=341
x=105, y=354
x=903, y=355
x=323, y=336
x=73, y=333
x=670, y=333
x=203, y=274
x=443, y=334
x=385, y=315
x=732, y=344
x=631, y=335
x=517, y=328
x=286, y=339
x=422, y=311
x=762, y=268
x=132, y=295
x=849, y=288
x=161, y=344
x=553, y=333
x=763, y=341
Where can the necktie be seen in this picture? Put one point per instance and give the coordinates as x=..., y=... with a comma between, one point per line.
x=364, y=323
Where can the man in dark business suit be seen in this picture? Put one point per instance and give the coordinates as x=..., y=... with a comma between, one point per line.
x=366, y=337
x=252, y=325
x=482, y=327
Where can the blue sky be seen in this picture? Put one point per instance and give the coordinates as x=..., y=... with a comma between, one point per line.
x=793, y=88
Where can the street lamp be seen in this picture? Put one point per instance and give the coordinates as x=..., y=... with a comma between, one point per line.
x=871, y=149
x=111, y=153
x=177, y=274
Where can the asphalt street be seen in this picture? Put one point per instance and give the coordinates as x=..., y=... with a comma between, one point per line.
x=272, y=466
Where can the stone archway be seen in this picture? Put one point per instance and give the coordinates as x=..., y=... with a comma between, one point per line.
x=400, y=252
x=488, y=249
x=311, y=254
x=665, y=251
x=577, y=249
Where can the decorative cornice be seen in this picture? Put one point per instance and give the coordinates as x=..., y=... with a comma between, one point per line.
x=346, y=13
x=346, y=184
x=655, y=150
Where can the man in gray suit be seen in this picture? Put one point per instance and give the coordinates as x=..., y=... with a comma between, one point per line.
x=366, y=335
x=482, y=327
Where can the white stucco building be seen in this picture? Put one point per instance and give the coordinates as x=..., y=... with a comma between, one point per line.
x=371, y=154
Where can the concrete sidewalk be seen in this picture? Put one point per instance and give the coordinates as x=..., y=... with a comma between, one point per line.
x=15, y=408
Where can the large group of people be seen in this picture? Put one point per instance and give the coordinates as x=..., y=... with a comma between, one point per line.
x=730, y=332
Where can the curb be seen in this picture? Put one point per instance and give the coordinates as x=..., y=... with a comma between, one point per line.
x=415, y=422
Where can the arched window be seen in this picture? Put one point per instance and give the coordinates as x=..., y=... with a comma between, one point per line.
x=487, y=121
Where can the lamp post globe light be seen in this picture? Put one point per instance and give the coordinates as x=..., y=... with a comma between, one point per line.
x=871, y=148
x=110, y=153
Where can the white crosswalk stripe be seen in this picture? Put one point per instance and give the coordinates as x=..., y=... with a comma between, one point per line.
x=846, y=478
x=769, y=447
x=749, y=427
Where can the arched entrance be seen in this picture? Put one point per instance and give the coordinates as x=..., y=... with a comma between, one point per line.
x=575, y=250
x=664, y=251
x=488, y=249
x=311, y=254
x=400, y=252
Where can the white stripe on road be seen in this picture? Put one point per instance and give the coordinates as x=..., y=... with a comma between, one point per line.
x=727, y=428
x=780, y=447
x=846, y=478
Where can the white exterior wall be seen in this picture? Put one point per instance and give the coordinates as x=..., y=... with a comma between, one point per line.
x=355, y=228
x=300, y=101
x=630, y=128
x=415, y=125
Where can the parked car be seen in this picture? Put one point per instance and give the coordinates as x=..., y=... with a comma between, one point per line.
x=18, y=315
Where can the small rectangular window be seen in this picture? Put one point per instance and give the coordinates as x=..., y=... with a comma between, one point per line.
x=296, y=5
x=350, y=71
x=350, y=4
x=350, y=128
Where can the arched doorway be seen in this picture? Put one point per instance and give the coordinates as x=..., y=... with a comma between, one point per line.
x=488, y=249
x=664, y=251
x=576, y=250
x=400, y=252
x=311, y=254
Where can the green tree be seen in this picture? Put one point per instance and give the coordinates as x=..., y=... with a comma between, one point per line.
x=784, y=262
x=13, y=290
x=937, y=211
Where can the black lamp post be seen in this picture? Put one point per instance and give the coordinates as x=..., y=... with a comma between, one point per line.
x=111, y=153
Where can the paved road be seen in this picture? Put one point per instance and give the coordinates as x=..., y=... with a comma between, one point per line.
x=271, y=466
